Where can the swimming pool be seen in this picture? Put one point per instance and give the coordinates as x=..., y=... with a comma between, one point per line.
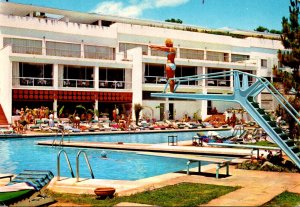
x=24, y=153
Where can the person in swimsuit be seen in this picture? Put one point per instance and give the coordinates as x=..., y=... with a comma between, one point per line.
x=170, y=66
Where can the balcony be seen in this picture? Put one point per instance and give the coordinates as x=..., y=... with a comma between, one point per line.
x=106, y=84
x=163, y=80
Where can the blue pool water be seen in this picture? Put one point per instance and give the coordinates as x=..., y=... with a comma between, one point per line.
x=24, y=153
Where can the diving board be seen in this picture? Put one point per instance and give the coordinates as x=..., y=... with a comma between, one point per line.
x=245, y=92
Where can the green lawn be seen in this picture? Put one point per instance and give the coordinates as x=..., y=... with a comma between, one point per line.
x=285, y=199
x=183, y=194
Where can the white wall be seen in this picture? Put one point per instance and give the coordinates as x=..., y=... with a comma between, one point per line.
x=6, y=82
x=181, y=107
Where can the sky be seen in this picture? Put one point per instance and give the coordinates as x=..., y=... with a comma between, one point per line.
x=215, y=14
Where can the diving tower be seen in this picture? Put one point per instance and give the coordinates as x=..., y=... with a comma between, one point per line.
x=246, y=87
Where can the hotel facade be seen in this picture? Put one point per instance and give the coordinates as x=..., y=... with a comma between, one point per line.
x=51, y=57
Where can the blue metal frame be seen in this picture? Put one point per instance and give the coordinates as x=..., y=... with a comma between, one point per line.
x=241, y=92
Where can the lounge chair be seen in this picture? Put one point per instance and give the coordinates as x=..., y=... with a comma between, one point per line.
x=24, y=185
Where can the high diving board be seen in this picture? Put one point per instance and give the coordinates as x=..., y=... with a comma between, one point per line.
x=244, y=92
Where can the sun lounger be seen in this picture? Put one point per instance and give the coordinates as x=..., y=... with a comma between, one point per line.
x=24, y=185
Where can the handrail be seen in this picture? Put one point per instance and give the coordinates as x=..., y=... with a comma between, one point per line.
x=58, y=164
x=267, y=85
x=87, y=162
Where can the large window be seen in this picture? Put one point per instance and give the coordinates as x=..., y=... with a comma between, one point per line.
x=32, y=74
x=239, y=58
x=219, y=81
x=183, y=71
x=192, y=54
x=78, y=76
x=111, y=78
x=217, y=56
x=24, y=45
x=63, y=49
x=154, y=73
x=99, y=52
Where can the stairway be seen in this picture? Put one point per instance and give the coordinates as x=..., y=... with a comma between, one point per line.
x=3, y=120
x=281, y=138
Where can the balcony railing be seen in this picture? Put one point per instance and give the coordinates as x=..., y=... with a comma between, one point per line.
x=32, y=81
x=218, y=82
x=114, y=84
x=163, y=80
x=76, y=83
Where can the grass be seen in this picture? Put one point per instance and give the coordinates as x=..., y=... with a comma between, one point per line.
x=285, y=199
x=265, y=144
x=183, y=194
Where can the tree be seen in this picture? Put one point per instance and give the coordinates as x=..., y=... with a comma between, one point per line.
x=137, y=109
x=261, y=29
x=290, y=39
x=179, y=21
x=290, y=57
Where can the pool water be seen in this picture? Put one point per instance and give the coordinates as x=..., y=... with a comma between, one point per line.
x=23, y=153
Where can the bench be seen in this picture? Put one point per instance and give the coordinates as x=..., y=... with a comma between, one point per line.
x=220, y=163
x=253, y=147
x=10, y=176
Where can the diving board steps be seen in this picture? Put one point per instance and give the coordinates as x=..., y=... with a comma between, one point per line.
x=244, y=93
x=281, y=135
x=3, y=119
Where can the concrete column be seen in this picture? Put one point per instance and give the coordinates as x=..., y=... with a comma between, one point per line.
x=82, y=49
x=231, y=80
x=44, y=52
x=96, y=78
x=55, y=76
x=178, y=51
x=204, y=71
x=55, y=109
x=204, y=107
x=137, y=77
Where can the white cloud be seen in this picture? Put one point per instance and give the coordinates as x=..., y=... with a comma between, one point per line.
x=134, y=8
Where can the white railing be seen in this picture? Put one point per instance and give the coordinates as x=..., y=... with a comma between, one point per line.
x=76, y=83
x=32, y=81
x=163, y=80
x=115, y=84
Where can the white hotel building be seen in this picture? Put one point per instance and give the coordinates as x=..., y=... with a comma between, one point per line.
x=52, y=57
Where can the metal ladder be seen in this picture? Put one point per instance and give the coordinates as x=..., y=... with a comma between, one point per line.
x=70, y=166
x=87, y=162
x=58, y=164
x=62, y=130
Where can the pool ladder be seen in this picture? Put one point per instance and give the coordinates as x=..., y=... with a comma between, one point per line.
x=63, y=132
x=77, y=164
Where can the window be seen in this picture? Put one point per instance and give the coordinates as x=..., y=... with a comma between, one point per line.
x=154, y=73
x=24, y=46
x=99, y=52
x=78, y=76
x=264, y=63
x=239, y=58
x=63, y=49
x=35, y=74
x=111, y=78
x=192, y=54
x=123, y=47
x=217, y=56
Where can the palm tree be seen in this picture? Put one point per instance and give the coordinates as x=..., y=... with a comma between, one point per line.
x=137, y=109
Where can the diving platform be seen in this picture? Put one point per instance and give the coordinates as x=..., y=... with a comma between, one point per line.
x=246, y=87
